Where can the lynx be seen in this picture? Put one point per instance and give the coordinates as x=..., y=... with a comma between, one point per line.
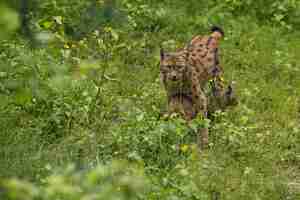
x=186, y=72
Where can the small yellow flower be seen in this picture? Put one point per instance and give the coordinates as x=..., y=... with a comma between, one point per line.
x=66, y=46
x=184, y=148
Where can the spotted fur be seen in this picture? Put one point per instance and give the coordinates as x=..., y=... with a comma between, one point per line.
x=187, y=71
x=183, y=105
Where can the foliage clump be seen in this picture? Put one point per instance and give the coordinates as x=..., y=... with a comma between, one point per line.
x=85, y=89
x=114, y=181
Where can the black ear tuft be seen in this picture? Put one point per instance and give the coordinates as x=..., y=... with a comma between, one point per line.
x=229, y=91
x=217, y=29
x=230, y=88
x=162, y=54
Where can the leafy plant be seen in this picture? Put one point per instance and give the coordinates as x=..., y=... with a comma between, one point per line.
x=90, y=94
x=115, y=181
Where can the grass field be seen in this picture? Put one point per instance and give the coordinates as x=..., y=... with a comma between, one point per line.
x=80, y=114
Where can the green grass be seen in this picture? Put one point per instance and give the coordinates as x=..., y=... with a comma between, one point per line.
x=57, y=108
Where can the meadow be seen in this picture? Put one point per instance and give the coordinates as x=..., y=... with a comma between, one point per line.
x=81, y=101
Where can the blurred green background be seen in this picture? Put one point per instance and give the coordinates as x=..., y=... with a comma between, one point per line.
x=80, y=100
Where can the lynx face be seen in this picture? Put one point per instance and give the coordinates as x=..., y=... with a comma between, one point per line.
x=173, y=68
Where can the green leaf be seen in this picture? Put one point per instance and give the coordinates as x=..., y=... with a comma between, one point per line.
x=23, y=96
x=115, y=35
x=46, y=24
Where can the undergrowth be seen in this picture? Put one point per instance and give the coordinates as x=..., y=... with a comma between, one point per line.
x=81, y=109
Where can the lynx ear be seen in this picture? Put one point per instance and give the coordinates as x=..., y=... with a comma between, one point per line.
x=217, y=29
x=162, y=53
x=229, y=91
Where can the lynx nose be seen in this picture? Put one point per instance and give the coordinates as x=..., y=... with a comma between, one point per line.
x=174, y=77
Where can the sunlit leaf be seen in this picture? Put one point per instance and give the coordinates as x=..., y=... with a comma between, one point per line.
x=47, y=24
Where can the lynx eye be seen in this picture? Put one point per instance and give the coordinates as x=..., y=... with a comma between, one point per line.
x=166, y=67
x=180, y=67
